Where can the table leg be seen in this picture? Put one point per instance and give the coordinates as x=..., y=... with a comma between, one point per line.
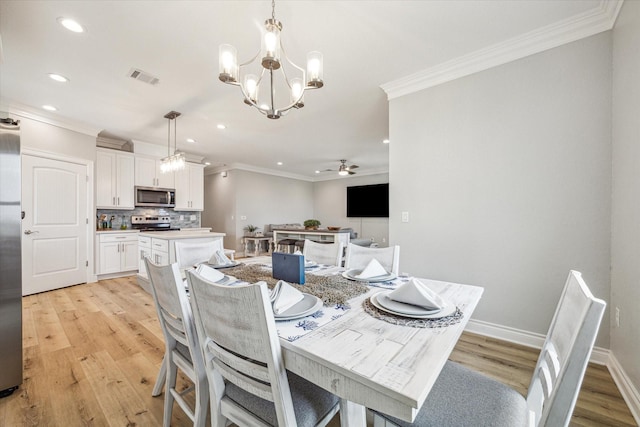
x=352, y=414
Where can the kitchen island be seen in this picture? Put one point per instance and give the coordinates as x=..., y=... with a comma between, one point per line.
x=160, y=246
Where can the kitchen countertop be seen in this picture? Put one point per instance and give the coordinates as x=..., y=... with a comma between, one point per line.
x=116, y=230
x=181, y=234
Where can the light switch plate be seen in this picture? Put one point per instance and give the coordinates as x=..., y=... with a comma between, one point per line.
x=405, y=216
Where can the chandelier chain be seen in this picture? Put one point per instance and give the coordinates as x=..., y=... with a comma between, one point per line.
x=273, y=9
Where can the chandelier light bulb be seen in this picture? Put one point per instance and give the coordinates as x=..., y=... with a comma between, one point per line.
x=270, y=40
x=251, y=86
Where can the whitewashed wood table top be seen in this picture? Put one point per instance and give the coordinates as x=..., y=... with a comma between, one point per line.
x=376, y=364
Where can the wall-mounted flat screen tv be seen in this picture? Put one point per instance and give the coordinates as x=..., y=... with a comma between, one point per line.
x=368, y=201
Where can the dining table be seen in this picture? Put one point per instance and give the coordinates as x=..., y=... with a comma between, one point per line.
x=376, y=362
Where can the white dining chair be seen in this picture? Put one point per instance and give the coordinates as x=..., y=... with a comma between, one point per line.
x=359, y=256
x=182, y=348
x=249, y=384
x=189, y=254
x=461, y=397
x=323, y=253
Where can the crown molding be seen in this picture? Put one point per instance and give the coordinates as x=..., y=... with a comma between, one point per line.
x=266, y=171
x=600, y=18
x=37, y=115
x=251, y=168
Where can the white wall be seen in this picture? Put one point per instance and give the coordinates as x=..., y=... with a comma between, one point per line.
x=506, y=175
x=625, y=248
x=262, y=199
x=45, y=137
x=330, y=207
x=220, y=205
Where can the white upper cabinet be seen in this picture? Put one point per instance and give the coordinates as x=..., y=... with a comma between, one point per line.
x=114, y=179
x=148, y=174
x=190, y=188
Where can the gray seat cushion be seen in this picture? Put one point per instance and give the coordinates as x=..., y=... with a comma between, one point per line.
x=310, y=402
x=464, y=398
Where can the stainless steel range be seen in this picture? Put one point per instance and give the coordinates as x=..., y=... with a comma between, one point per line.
x=151, y=223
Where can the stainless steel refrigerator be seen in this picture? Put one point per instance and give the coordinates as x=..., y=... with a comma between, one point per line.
x=10, y=258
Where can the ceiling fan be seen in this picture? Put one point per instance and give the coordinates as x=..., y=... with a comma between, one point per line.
x=344, y=169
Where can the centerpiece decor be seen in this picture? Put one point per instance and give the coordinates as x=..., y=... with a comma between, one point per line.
x=311, y=224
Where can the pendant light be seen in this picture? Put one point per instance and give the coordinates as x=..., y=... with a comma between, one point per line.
x=176, y=161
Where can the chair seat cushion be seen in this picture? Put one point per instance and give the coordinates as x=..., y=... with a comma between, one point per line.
x=310, y=402
x=464, y=398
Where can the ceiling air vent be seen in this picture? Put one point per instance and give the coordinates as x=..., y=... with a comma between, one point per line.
x=142, y=76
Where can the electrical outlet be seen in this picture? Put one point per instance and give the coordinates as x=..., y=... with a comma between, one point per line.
x=243, y=217
x=384, y=240
x=405, y=216
x=617, y=317
x=193, y=217
x=181, y=217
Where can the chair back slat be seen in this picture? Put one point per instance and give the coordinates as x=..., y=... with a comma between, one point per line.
x=239, y=320
x=359, y=257
x=189, y=254
x=564, y=357
x=243, y=381
x=323, y=253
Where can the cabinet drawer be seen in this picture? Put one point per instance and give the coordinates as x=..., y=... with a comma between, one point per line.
x=160, y=245
x=118, y=237
x=144, y=241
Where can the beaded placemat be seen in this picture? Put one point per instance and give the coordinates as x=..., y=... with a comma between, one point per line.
x=331, y=290
x=408, y=321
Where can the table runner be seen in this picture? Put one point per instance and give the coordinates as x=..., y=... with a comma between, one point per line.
x=331, y=289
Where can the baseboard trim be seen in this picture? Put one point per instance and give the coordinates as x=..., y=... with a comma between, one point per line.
x=599, y=355
x=629, y=393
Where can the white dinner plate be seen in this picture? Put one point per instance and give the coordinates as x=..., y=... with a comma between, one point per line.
x=401, y=307
x=448, y=310
x=219, y=266
x=308, y=305
x=351, y=274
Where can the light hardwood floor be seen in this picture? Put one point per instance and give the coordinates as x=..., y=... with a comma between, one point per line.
x=92, y=353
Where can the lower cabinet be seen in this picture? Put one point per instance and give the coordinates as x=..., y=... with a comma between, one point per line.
x=117, y=252
x=156, y=249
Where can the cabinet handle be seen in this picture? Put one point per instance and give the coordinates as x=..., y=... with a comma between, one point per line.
x=114, y=201
x=118, y=201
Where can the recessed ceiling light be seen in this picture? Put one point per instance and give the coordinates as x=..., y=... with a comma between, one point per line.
x=264, y=107
x=191, y=140
x=279, y=163
x=221, y=126
x=58, y=78
x=49, y=108
x=71, y=25
x=317, y=171
x=207, y=163
x=385, y=141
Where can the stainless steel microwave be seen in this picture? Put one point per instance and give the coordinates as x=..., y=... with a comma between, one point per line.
x=158, y=197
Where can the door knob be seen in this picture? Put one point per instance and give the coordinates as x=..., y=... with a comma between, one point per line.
x=30, y=232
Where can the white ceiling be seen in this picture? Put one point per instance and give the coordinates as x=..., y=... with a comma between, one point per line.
x=365, y=44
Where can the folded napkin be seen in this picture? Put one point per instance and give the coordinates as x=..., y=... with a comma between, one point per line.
x=415, y=292
x=284, y=296
x=373, y=269
x=219, y=258
x=209, y=273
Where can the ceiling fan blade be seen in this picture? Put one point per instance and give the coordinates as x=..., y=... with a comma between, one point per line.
x=351, y=173
x=353, y=167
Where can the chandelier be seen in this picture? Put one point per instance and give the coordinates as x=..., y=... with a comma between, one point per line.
x=176, y=161
x=272, y=53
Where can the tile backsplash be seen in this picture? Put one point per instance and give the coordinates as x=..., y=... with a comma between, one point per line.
x=125, y=216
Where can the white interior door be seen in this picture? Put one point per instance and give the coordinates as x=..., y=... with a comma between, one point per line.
x=54, y=241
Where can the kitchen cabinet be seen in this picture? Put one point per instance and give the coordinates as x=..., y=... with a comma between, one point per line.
x=190, y=188
x=117, y=252
x=156, y=249
x=114, y=179
x=149, y=174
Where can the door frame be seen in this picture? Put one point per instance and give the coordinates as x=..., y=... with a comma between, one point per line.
x=91, y=223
